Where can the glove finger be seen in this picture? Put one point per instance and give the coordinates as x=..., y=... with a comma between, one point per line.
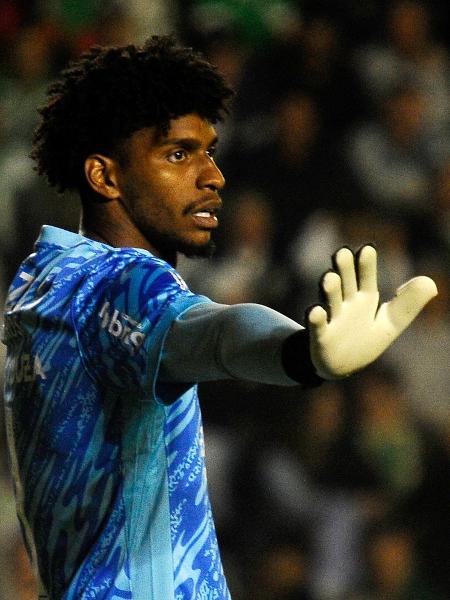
x=410, y=299
x=345, y=266
x=332, y=293
x=317, y=319
x=367, y=269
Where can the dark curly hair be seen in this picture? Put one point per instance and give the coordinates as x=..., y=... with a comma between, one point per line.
x=109, y=93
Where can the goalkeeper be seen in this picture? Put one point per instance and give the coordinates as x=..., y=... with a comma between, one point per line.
x=105, y=342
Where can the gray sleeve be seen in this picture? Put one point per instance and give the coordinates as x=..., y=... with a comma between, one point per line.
x=216, y=341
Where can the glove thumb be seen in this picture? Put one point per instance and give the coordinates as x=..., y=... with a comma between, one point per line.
x=409, y=300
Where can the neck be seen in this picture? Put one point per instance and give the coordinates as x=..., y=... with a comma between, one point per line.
x=108, y=222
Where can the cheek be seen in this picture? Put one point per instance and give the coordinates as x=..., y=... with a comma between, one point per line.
x=156, y=204
x=172, y=184
x=157, y=197
x=169, y=192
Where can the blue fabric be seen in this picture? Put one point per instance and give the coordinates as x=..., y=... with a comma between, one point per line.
x=108, y=463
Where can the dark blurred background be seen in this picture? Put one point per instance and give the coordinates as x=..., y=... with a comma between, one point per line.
x=340, y=134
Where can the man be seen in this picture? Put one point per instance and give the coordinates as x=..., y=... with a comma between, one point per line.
x=106, y=342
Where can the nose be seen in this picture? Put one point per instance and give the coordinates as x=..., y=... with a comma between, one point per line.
x=210, y=176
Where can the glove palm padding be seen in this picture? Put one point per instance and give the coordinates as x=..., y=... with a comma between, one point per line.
x=354, y=330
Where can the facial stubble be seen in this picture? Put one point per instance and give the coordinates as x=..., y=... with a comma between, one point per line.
x=165, y=243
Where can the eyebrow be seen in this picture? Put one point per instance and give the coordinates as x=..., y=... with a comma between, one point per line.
x=188, y=143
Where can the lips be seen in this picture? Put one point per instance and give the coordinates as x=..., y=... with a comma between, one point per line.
x=205, y=213
x=205, y=219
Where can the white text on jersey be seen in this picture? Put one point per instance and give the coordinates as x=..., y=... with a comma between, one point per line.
x=121, y=326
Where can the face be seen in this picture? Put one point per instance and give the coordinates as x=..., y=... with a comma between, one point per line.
x=169, y=186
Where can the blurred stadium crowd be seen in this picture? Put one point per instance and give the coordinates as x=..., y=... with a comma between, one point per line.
x=339, y=134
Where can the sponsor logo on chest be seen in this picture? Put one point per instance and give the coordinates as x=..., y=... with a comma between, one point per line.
x=121, y=326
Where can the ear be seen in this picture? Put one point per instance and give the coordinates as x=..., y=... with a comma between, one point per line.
x=102, y=175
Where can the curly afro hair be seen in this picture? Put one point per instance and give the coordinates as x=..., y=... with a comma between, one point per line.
x=109, y=93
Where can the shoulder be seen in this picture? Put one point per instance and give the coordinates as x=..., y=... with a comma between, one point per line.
x=131, y=282
x=145, y=272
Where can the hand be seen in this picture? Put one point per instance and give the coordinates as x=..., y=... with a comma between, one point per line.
x=354, y=330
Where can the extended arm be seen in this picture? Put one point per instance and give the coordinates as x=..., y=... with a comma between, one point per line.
x=243, y=341
x=253, y=342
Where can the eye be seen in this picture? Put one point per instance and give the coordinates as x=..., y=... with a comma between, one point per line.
x=211, y=152
x=177, y=156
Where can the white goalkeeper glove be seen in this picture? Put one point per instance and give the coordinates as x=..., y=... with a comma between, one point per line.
x=354, y=330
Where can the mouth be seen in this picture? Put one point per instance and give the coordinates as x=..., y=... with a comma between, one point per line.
x=206, y=219
x=205, y=216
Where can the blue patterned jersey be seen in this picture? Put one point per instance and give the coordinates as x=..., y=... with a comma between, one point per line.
x=108, y=461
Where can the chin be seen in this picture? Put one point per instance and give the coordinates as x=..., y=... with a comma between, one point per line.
x=197, y=251
x=168, y=245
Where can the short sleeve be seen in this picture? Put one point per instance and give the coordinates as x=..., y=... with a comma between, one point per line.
x=121, y=314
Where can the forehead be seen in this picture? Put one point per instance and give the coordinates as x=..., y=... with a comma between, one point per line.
x=188, y=127
x=191, y=125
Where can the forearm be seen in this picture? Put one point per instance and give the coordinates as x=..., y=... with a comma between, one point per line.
x=244, y=341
